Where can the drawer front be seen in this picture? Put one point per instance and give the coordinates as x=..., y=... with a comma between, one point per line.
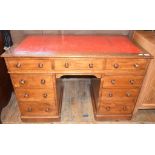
x=116, y=109
x=122, y=81
x=79, y=64
x=35, y=94
x=32, y=81
x=38, y=109
x=120, y=95
x=22, y=65
x=127, y=64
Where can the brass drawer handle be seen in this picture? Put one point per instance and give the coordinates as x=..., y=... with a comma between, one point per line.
x=132, y=81
x=113, y=81
x=43, y=81
x=91, y=66
x=107, y=108
x=26, y=95
x=29, y=109
x=18, y=65
x=45, y=95
x=22, y=82
x=128, y=94
x=136, y=65
x=40, y=65
x=116, y=65
x=47, y=109
x=66, y=65
x=110, y=94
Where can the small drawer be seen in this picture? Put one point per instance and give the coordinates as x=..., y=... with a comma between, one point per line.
x=119, y=95
x=34, y=94
x=126, y=64
x=32, y=81
x=116, y=109
x=38, y=109
x=122, y=81
x=79, y=64
x=26, y=65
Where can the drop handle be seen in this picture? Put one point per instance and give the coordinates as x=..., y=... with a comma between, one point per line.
x=91, y=66
x=66, y=65
x=40, y=65
x=116, y=65
x=22, y=82
x=18, y=65
x=136, y=65
x=43, y=81
x=113, y=81
x=45, y=95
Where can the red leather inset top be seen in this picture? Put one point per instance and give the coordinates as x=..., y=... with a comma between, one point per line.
x=82, y=43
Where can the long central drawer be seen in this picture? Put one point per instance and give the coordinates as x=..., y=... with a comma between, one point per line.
x=79, y=64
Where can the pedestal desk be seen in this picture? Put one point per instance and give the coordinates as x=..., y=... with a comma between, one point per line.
x=115, y=65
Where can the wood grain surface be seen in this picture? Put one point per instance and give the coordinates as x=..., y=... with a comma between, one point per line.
x=146, y=39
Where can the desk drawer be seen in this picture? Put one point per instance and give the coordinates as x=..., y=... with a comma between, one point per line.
x=25, y=65
x=79, y=64
x=38, y=109
x=126, y=64
x=116, y=109
x=119, y=95
x=35, y=94
x=32, y=81
x=122, y=81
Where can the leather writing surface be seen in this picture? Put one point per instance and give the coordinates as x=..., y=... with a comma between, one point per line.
x=74, y=44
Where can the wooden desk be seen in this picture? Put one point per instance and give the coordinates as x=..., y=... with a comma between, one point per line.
x=116, y=67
